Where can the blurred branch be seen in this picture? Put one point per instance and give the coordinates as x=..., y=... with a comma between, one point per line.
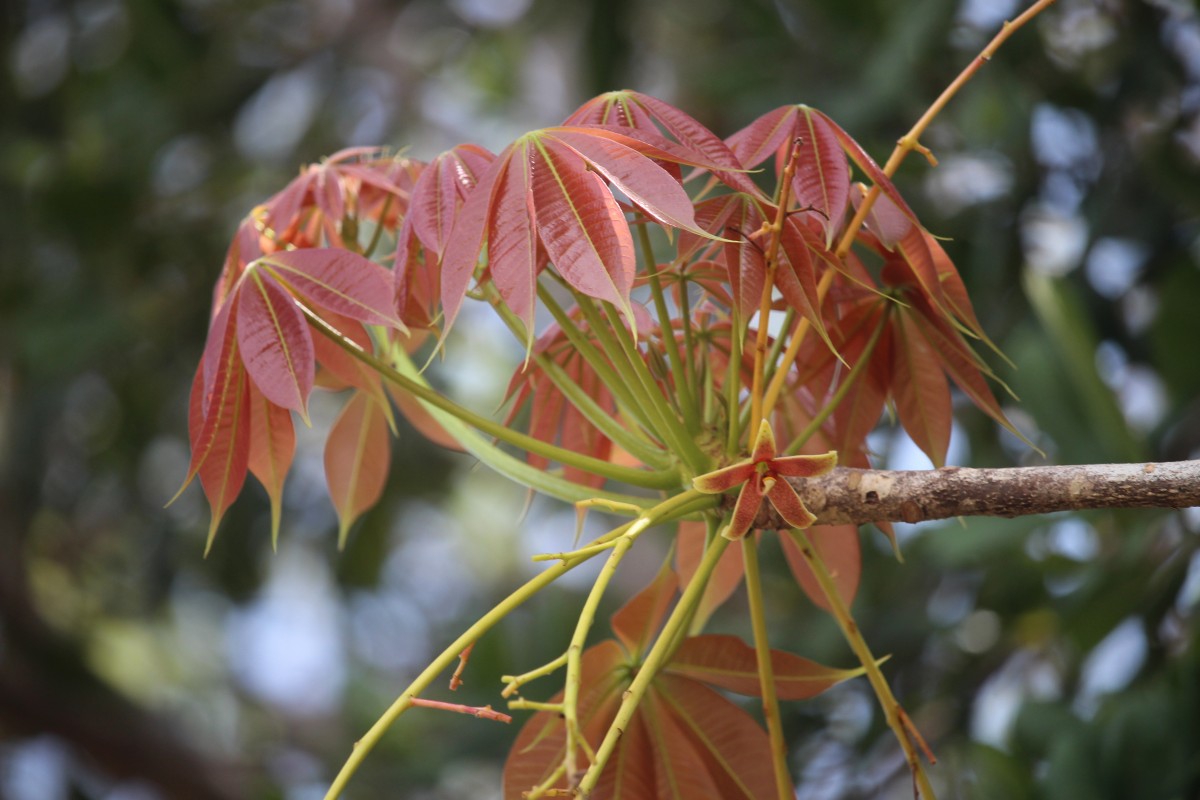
x=861, y=495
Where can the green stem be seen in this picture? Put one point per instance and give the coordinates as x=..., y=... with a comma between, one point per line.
x=655, y=660
x=673, y=429
x=631, y=440
x=447, y=657
x=687, y=402
x=604, y=360
x=689, y=344
x=892, y=711
x=661, y=479
x=843, y=389
x=766, y=675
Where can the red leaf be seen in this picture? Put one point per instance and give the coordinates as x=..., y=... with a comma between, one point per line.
x=822, y=178
x=219, y=428
x=920, y=390
x=582, y=227
x=641, y=180
x=763, y=137
x=272, y=446
x=357, y=457
x=441, y=190
x=838, y=547
x=513, y=260
x=867, y=164
x=636, y=623
x=275, y=342
x=729, y=663
x=461, y=255
x=339, y=280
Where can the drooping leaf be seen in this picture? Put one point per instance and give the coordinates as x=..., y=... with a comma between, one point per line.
x=513, y=256
x=272, y=446
x=729, y=663
x=340, y=281
x=839, y=548
x=679, y=770
x=637, y=622
x=725, y=577
x=734, y=748
x=864, y=162
x=220, y=437
x=461, y=256
x=822, y=178
x=275, y=342
x=357, y=457
x=920, y=390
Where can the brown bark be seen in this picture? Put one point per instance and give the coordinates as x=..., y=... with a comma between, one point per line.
x=860, y=496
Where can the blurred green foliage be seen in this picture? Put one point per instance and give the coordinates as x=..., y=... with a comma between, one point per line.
x=1044, y=657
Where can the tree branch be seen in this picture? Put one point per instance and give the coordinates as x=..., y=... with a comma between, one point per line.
x=861, y=495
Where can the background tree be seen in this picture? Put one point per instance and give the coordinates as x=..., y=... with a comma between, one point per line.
x=1067, y=642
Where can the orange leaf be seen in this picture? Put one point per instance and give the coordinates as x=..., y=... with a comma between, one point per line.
x=636, y=622
x=839, y=548
x=357, y=457
x=731, y=744
x=725, y=579
x=729, y=663
x=272, y=446
x=679, y=770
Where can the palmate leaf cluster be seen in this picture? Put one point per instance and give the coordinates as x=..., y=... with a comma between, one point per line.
x=659, y=367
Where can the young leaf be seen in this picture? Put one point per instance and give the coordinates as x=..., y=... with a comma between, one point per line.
x=729, y=663
x=637, y=622
x=920, y=390
x=725, y=578
x=340, y=281
x=276, y=345
x=838, y=546
x=357, y=457
x=272, y=446
x=822, y=179
x=733, y=747
x=440, y=192
x=679, y=770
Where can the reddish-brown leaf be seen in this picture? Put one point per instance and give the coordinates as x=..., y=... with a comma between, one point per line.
x=731, y=744
x=540, y=746
x=357, y=457
x=637, y=622
x=632, y=772
x=765, y=136
x=729, y=663
x=276, y=345
x=838, y=547
x=725, y=578
x=679, y=770
x=822, y=179
x=340, y=281
x=272, y=446
x=867, y=164
x=920, y=390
